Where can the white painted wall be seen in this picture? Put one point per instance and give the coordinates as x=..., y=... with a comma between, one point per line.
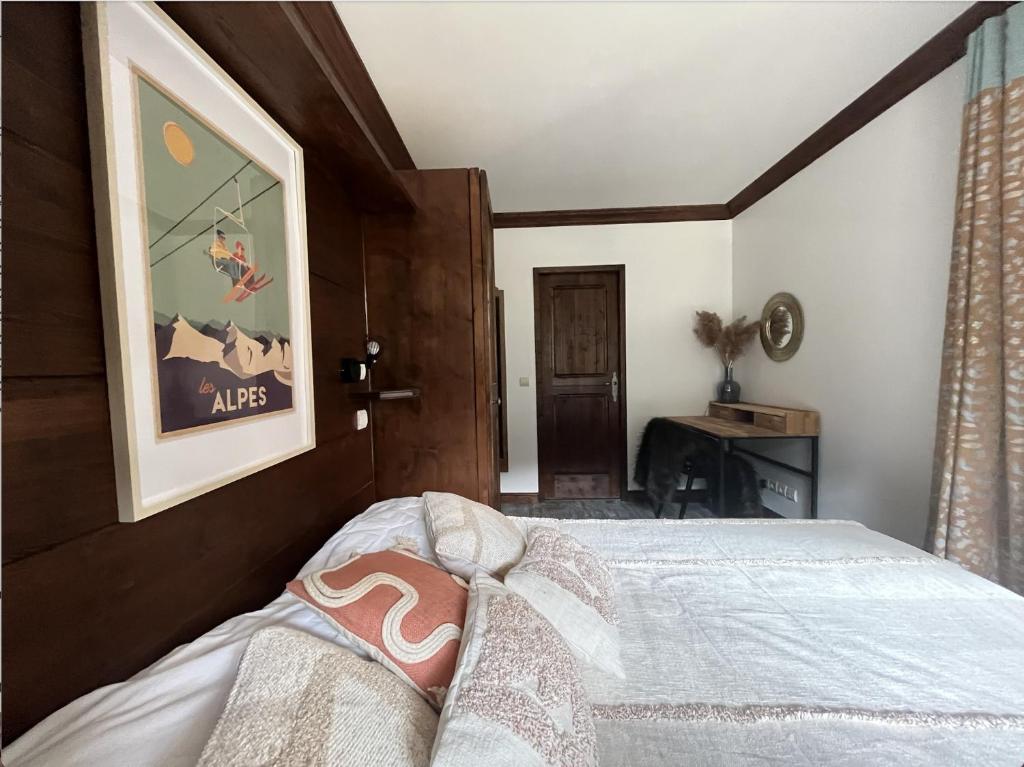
x=862, y=238
x=671, y=271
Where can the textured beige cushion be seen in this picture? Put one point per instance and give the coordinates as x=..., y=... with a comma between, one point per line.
x=517, y=699
x=299, y=701
x=469, y=537
x=570, y=585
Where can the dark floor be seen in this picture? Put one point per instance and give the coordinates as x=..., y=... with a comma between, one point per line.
x=587, y=509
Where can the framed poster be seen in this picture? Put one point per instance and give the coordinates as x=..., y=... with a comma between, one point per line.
x=201, y=226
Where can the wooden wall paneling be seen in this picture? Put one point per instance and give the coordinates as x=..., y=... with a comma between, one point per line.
x=56, y=438
x=131, y=592
x=48, y=238
x=128, y=593
x=271, y=575
x=62, y=31
x=41, y=111
x=51, y=326
x=338, y=330
x=420, y=306
x=288, y=79
x=328, y=208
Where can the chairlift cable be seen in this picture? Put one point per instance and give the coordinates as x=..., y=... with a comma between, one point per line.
x=204, y=231
x=233, y=176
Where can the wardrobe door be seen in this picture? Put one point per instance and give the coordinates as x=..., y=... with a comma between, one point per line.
x=430, y=302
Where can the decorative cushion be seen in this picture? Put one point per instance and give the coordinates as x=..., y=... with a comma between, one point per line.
x=469, y=537
x=570, y=585
x=517, y=699
x=298, y=700
x=404, y=611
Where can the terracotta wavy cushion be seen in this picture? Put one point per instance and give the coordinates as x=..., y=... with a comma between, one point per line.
x=406, y=612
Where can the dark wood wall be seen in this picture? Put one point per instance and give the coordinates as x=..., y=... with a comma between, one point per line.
x=87, y=600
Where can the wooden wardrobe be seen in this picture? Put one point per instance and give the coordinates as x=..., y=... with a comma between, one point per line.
x=430, y=302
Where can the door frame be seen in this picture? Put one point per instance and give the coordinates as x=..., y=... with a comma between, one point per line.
x=620, y=269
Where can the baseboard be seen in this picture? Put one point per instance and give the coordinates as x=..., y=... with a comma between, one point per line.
x=519, y=498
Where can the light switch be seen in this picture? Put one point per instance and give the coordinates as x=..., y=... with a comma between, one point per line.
x=524, y=381
x=362, y=419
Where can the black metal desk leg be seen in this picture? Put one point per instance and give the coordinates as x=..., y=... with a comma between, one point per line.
x=814, y=477
x=721, y=478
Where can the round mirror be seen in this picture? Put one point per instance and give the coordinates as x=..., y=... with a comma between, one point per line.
x=782, y=326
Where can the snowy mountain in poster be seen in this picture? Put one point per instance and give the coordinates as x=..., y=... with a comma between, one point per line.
x=213, y=372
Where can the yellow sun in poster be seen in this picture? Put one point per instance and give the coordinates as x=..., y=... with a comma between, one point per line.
x=178, y=144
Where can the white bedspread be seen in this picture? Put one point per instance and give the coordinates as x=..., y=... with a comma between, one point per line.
x=803, y=643
x=745, y=642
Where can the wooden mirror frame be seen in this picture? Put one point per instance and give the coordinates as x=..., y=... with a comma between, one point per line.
x=796, y=337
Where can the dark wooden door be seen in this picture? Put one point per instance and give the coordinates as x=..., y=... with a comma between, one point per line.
x=579, y=316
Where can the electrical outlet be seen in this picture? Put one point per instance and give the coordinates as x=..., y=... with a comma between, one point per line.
x=787, y=492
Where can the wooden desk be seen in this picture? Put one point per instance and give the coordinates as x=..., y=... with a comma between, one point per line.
x=726, y=429
x=724, y=432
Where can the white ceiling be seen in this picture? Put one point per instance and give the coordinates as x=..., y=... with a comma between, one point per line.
x=591, y=105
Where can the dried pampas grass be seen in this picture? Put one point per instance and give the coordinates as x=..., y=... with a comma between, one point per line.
x=730, y=341
x=708, y=328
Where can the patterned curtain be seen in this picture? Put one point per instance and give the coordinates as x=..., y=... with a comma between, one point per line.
x=977, y=507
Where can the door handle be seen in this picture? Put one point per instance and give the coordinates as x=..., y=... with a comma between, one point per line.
x=614, y=386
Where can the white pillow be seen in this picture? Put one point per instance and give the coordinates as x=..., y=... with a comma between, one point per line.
x=570, y=585
x=517, y=699
x=298, y=700
x=471, y=538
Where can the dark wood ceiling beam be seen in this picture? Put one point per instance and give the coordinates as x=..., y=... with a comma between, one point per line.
x=306, y=87
x=597, y=216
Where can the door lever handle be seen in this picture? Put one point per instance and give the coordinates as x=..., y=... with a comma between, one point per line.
x=615, y=386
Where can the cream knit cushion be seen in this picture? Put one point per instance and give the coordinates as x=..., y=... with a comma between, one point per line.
x=469, y=537
x=299, y=701
x=517, y=699
x=570, y=585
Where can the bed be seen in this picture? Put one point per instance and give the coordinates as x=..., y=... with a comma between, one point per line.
x=744, y=642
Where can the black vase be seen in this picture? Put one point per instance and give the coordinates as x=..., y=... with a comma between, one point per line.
x=728, y=390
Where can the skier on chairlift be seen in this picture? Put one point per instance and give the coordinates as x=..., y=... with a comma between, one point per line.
x=224, y=260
